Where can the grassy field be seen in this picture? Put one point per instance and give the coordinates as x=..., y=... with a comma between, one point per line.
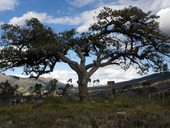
x=120, y=112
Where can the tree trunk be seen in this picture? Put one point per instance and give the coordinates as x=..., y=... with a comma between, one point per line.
x=83, y=90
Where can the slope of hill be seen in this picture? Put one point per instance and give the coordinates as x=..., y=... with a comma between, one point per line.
x=25, y=83
x=161, y=81
x=157, y=80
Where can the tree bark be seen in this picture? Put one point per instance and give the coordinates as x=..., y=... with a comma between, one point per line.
x=83, y=89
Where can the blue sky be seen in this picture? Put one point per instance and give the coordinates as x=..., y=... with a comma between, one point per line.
x=67, y=14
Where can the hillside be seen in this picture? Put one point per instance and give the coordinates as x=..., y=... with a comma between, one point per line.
x=25, y=83
x=161, y=81
x=157, y=80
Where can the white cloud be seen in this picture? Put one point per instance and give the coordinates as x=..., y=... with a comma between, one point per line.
x=63, y=75
x=44, y=17
x=164, y=20
x=80, y=3
x=160, y=6
x=146, y=5
x=85, y=19
x=112, y=73
x=8, y=4
x=65, y=20
x=20, y=20
x=153, y=5
x=105, y=74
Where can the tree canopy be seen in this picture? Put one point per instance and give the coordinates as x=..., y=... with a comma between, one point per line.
x=33, y=46
x=126, y=37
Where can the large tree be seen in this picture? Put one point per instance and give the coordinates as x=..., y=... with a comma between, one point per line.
x=127, y=37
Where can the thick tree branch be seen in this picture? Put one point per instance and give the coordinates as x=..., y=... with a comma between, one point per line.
x=82, y=57
x=92, y=71
x=73, y=64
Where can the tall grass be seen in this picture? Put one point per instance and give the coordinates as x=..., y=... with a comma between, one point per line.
x=120, y=112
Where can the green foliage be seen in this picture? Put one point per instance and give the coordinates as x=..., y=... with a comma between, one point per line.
x=7, y=91
x=33, y=46
x=53, y=85
x=65, y=90
x=140, y=40
x=38, y=89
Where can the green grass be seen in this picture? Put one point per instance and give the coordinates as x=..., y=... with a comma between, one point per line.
x=120, y=112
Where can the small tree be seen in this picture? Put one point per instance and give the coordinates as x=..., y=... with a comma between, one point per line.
x=96, y=82
x=52, y=86
x=31, y=90
x=124, y=38
x=38, y=89
x=6, y=91
x=69, y=83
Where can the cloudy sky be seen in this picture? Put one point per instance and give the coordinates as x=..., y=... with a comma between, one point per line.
x=66, y=14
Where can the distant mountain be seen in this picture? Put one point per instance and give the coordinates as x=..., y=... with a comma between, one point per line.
x=157, y=80
x=161, y=81
x=25, y=83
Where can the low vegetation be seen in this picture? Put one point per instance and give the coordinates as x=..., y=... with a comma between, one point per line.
x=119, y=112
